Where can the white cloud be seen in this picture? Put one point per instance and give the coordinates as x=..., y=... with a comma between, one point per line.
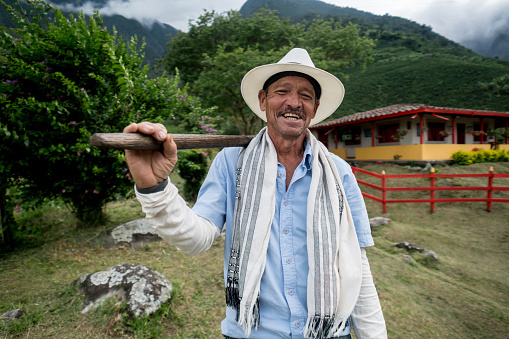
x=458, y=20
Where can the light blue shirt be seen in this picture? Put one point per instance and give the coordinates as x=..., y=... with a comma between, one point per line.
x=283, y=290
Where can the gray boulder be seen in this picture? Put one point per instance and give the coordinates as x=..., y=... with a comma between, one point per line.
x=409, y=246
x=12, y=315
x=136, y=233
x=430, y=255
x=378, y=221
x=144, y=289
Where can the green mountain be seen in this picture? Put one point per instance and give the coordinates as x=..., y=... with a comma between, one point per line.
x=298, y=10
x=156, y=35
x=412, y=64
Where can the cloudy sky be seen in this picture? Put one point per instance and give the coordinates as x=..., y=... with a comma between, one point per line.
x=458, y=20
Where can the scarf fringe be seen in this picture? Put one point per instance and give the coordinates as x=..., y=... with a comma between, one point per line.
x=232, y=294
x=319, y=327
x=251, y=319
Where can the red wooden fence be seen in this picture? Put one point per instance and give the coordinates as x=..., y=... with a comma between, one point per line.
x=432, y=188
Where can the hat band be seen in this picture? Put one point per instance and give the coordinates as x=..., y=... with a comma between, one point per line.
x=277, y=76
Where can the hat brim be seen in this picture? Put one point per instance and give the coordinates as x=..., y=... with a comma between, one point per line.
x=333, y=90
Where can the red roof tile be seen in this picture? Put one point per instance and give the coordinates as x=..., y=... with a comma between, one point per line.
x=400, y=108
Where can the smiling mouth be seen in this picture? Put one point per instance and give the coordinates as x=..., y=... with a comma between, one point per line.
x=291, y=116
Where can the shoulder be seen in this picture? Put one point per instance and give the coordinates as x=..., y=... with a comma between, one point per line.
x=226, y=159
x=343, y=167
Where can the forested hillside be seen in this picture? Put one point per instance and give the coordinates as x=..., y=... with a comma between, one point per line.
x=156, y=35
x=411, y=63
x=307, y=9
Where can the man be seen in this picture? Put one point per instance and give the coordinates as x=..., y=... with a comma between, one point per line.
x=295, y=221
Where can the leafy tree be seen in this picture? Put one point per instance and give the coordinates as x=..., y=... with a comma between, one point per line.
x=61, y=80
x=219, y=83
x=499, y=86
x=219, y=49
x=229, y=31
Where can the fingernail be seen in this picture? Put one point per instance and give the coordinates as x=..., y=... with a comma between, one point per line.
x=162, y=135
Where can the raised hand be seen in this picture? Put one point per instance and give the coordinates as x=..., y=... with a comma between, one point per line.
x=150, y=168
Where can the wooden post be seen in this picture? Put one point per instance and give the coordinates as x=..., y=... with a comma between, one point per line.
x=422, y=129
x=384, y=193
x=507, y=130
x=490, y=189
x=432, y=181
x=372, y=134
x=454, y=130
x=482, y=131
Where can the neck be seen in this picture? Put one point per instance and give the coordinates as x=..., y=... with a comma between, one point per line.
x=287, y=148
x=289, y=153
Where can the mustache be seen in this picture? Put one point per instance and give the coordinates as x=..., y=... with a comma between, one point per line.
x=289, y=109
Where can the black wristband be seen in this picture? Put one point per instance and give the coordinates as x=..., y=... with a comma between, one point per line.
x=153, y=189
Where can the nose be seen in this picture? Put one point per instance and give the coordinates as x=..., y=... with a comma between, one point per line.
x=293, y=100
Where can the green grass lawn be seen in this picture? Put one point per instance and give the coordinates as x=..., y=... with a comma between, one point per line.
x=463, y=295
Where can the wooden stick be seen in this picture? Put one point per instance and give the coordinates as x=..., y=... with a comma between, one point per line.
x=137, y=141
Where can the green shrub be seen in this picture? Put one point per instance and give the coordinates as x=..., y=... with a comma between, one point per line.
x=192, y=167
x=463, y=158
x=64, y=79
x=467, y=158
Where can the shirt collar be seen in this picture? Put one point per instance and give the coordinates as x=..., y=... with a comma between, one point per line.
x=308, y=155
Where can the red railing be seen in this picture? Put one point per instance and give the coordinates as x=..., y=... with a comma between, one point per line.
x=432, y=188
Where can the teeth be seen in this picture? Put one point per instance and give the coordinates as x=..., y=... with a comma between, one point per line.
x=291, y=116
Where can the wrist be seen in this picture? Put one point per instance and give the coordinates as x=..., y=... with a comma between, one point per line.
x=153, y=189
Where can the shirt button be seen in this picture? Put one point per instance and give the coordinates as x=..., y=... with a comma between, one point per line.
x=290, y=292
x=289, y=260
x=286, y=231
x=285, y=202
x=297, y=324
x=280, y=175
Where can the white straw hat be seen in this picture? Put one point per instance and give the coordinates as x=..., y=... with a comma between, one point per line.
x=297, y=60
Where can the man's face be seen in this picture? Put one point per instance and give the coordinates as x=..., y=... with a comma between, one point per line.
x=290, y=104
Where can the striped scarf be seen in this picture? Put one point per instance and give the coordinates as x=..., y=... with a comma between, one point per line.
x=334, y=277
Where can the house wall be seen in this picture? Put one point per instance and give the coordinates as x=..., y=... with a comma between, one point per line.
x=411, y=152
x=413, y=136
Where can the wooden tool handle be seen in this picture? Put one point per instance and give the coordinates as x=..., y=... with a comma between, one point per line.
x=137, y=141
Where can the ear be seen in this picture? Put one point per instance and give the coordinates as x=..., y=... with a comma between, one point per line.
x=262, y=100
x=317, y=103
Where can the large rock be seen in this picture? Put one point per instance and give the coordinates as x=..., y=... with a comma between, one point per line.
x=410, y=247
x=12, y=315
x=427, y=256
x=430, y=255
x=136, y=233
x=378, y=221
x=144, y=289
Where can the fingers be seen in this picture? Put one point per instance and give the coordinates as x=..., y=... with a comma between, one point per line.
x=132, y=128
x=170, y=150
x=158, y=131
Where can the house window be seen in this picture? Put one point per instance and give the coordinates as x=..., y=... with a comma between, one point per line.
x=324, y=139
x=477, y=137
x=354, y=136
x=434, y=129
x=386, y=133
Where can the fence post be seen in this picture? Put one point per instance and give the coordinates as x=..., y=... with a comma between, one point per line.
x=432, y=182
x=490, y=189
x=384, y=194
